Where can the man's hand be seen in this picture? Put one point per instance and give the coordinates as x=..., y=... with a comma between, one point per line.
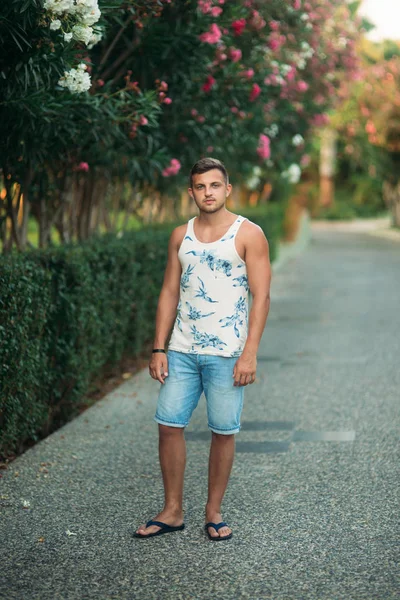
x=244, y=370
x=158, y=366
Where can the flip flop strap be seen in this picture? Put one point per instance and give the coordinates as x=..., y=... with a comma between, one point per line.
x=216, y=526
x=158, y=524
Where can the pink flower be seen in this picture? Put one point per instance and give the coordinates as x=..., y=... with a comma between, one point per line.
x=305, y=160
x=163, y=86
x=249, y=73
x=238, y=26
x=193, y=112
x=167, y=100
x=263, y=149
x=143, y=120
x=302, y=86
x=173, y=168
x=205, y=6
x=291, y=74
x=212, y=36
x=234, y=109
x=209, y=84
x=83, y=166
x=210, y=148
x=274, y=25
x=235, y=54
x=100, y=82
x=216, y=11
x=319, y=120
x=255, y=92
x=201, y=119
x=297, y=4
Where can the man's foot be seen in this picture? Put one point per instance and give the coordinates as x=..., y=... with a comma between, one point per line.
x=174, y=519
x=215, y=517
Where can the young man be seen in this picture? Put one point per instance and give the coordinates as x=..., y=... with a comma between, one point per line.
x=213, y=262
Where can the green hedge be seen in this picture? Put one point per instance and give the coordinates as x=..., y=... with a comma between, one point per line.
x=67, y=312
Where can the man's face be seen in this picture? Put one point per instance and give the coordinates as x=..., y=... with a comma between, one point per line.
x=209, y=190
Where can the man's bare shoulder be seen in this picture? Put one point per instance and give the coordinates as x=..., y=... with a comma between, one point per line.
x=178, y=234
x=252, y=233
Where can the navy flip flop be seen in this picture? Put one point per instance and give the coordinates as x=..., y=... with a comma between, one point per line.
x=164, y=529
x=217, y=527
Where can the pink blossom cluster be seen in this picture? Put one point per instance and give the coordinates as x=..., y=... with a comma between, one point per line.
x=173, y=168
x=83, y=166
x=212, y=36
x=264, y=149
x=162, y=88
x=235, y=54
x=256, y=21
x=255, y=92
x=238, y=26
x=209, y=84
x=195, y=115
x=206, y=7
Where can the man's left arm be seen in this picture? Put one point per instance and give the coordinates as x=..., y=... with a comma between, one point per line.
x=259, y=277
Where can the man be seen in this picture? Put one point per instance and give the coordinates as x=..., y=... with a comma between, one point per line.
x=213, y=262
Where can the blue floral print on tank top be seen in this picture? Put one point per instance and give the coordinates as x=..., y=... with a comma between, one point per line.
x=212, y=314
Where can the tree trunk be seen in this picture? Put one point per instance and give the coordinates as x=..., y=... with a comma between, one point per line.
x=327, y=167
x=391, y=196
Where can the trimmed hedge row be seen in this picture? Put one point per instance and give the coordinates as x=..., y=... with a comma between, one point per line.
x=67, y=312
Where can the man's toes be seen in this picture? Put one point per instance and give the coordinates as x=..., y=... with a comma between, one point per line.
x=213, y=532
x=224, y=531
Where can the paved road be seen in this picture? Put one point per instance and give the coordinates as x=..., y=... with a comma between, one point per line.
x=313, y=499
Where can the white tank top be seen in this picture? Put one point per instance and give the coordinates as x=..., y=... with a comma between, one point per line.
x=212, y=314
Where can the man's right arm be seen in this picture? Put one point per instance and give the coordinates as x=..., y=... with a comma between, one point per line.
x=167, y=305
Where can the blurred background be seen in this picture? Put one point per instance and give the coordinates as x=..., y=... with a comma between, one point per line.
x=104, y=107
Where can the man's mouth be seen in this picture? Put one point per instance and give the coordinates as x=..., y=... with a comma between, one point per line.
x=209, y=200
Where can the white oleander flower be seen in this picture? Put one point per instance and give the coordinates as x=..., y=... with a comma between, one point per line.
x=58, y=7
x=297, y=140
x=67, y=37
x=272, y=130
x=95, y=39
x=253, y=182
x=270, y=163
x=56, y=24
x=82, y=33
x=76, y=80
x=292, y=174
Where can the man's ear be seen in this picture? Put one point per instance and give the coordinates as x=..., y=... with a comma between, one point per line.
x=228, y=189
x=190, y=191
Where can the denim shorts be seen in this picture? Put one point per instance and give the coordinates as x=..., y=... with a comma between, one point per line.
x=188, y=376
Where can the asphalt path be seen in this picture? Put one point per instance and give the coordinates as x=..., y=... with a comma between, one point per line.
x=313, y=499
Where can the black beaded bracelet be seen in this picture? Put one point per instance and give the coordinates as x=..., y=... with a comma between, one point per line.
x=158, y=350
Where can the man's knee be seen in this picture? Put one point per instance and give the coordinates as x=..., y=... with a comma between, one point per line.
x=166, y=431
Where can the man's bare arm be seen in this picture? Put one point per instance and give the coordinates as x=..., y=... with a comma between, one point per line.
x=259, y=277
x=167, y=305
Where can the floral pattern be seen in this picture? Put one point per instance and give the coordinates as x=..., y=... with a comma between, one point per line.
x=185, y=278
x=241, y=281
x=206, y=339
x=213, y=305
x=202, y=292
x=194, y=314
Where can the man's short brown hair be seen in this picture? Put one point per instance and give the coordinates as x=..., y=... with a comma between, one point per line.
x=206, y=164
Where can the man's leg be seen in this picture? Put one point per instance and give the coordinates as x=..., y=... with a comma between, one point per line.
x=222, y=452
x=172, y=453
x=224, y=407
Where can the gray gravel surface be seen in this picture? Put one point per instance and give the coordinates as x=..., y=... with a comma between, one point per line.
x=313, y=498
